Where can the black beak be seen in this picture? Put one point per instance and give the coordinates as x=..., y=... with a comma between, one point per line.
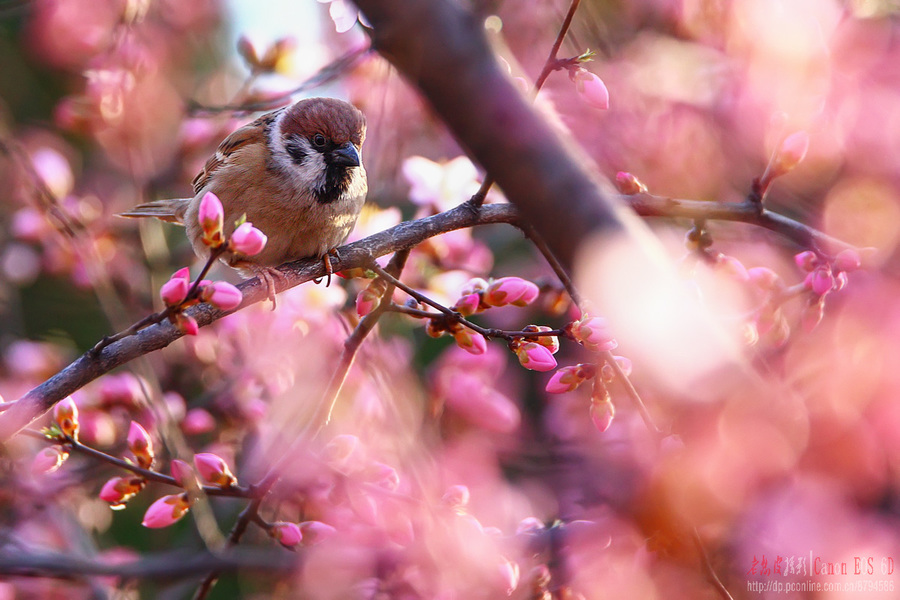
x=346, y=156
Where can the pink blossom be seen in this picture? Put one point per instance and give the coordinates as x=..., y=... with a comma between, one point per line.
x=248, y=240
x=820, y=281
x=140, y=444
x=166, y=511
x=510, y=290
x=382, y=475
x=593, y=333
x=535, y=357
x=628, y=184
x=806, y=260
x=791, y=153
x=213, y=470
x=551, y=342
x=65, y=413
x=29, y=224
x=49, y=460
x=211, y=215
x=222, y=295
x=366, y=301
x=287, y=534
x=440, y=185
x=468, y=304
x=119, y=490
x=187, y=324
x=608, y=373
x=764, y=278
x=602, y=413
x=569, y=378
x=197, y=421
x=470, y=341
x=591, y=89
x=175, y=290
x=316, y=532
x=470, y=397
x=733, y=267
x=847, y=260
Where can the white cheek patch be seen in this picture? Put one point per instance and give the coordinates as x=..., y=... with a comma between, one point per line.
x=309, y=173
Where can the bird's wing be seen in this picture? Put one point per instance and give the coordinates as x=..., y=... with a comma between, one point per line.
x=251, y=133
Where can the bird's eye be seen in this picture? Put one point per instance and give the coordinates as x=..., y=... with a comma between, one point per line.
x=319, y=140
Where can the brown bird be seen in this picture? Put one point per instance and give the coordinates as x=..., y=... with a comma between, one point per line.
x=295, y=172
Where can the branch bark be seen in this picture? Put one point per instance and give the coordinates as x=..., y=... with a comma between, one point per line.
x=441, y=48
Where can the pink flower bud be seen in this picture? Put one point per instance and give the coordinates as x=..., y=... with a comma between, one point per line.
x=65, y=413
x=175, y=290
x=764, y=278
x=222, y=295
x=468, y=304
x=593, y=333
x=197, y=421
x=316, y=532
x=847, y=260
x=213, y=470
x=476, y=285
x=602, y=414
x=366, y=301
x=820, y=281
x=186, y=324
x=166, y=511
x=732, y=267
x=382, y=475
x=591, y=89
x=248, y=240
x=510, y=290
x=792, y=152
x=470, y=341
x=628, y=184
x=608, y=373
x=806, y=260
x=456, y=497
x=119, y=490
x=211, y=214
x=535, y=357
x=287, y=534
x=49, y=460
x=569, y=378
x=182, y=473
x=551, y=342
x=141, y=445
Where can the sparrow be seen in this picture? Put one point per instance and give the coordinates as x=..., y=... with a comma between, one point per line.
x=297, y=175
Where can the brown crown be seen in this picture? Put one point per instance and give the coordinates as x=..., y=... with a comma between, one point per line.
x=335, y=119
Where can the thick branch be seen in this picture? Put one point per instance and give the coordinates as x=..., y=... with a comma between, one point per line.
x=359, y=254
x=441, y=48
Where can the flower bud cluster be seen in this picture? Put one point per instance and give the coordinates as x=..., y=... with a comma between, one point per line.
x=179, y=292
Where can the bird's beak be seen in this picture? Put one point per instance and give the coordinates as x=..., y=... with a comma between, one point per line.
x=346, y=156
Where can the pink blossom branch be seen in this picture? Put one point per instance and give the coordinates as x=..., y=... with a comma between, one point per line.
x=88, y=367
x=76, y=446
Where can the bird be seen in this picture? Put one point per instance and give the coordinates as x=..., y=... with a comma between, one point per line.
x=295, y=173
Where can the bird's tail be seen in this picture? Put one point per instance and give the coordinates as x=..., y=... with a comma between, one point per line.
x=170, y=210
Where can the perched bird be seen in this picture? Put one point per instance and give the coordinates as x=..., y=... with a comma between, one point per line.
x=297, y=175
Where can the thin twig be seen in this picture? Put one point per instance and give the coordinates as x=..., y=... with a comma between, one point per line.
x=233, y=491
